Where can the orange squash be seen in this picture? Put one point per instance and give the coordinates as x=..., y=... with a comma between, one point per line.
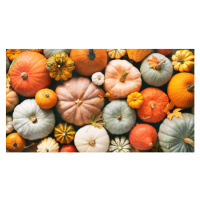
x=154, y=103
x=138, y=54
x=89, y=61
x=28, y=73
x=11, y=99
x=181, y=90
x=11, y=54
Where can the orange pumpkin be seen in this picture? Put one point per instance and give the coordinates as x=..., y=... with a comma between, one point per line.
x=122, y=78
x=15, y=143
x=138, y=54
x=11, y=54
x=28, y=73
x=89, y=61
x=11, y=99
x=46, y=98
x=181, y=90
x=78, y=100
x=154, y=103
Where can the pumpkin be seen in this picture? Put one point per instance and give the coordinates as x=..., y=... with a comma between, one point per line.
x=11, y=99
x=12, y=53
x=60, y=66
x=32, y=122
x=9, y=124
x=7, y=64
x=181, y=90
x=183, y=60
x=177, y=135
x=143, y=136
x=119, y=145
x=119, y=117
x=122, y=78
x=164, y=52
x=91, y=139
x=154, y=103
x=50, y=52
x=68, y=148
x=135, y=99
x=98, y=78
x=46, y=98
x=78, y=100
x=28, y=73
x=116, y=53
x=48, y=145
x=64, y=133
x=138, y=54
x=156, y=70
x=34, y=50
x=89, y=61
x=15, y=143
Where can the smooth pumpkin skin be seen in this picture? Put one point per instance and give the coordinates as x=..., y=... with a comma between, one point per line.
x=114, y=71
x=153, y=77
x=32, y=64
x=50, y=52
x=11, y=99
x=69, y=148
x=27, y=126
x=86, y=66
x=177, y=90
x=172, y=132
x=78, y=100
x=138, y=54
x=154, y=102
x=164, y=52
x=119, y=117
x=143, y=136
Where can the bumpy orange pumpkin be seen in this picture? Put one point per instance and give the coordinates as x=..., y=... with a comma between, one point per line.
x=138, y=54
x=181, y=90
x=11, y=99
x=152, y=109
x=12, y=53
x=89, y=61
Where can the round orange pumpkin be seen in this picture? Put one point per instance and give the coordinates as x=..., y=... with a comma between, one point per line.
x=89, y=61
x=46, y=98
x=122, y=78
x=181, y=90
x=15, y=143
x=154, y=103
x=78, y=100
x=11, y=99
x=138, y=54
x=28, y=73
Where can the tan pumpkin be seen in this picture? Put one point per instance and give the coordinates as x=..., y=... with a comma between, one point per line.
x=122, y=78
x=78, y=100
x=138, y=54
x=11, y=99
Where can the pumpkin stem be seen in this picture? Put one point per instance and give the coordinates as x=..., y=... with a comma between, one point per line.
x=47, y=150
x=92, y=142
x=91, y=54
x=47, y=95
x=123, y=76
x=32, y=144
x=14, y=144
x=190, y=87
x=33, y=119
x=152, y=105
x=151, y=144
x=188, y=141
x=24, y=75
x=78, y=102
x=119, y=117
x=158, y=67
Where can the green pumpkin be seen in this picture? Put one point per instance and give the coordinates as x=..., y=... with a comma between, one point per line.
x=50, y=52
x=177, y=135
x=158, y=75
x=119, y=117
x=7, y=64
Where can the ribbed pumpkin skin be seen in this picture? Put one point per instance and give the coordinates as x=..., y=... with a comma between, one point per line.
x=78, y=100
x=143, y=136
x=177, y=90
x=11, y=99
x=172, y=132
x=154, y=102
x=138, y=54
x=153, y=77
x=34, y=65
x=50, y=52
x=84, y=65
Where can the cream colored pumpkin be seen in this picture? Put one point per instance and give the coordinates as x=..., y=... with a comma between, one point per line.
x=48, y=145
x=91, y=139
x=98, y=78
x=9, y=124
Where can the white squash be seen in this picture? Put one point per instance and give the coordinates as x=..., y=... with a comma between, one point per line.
x=91, y=139
x=48, y=145
x=9, y=124
x=98, y=78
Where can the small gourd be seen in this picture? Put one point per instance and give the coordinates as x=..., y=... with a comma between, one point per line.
x=116, y=53
x=9, y=124
x=98, y=78
x=138, y=54
x=48, y=145
x=12, y=53
x=135, y=100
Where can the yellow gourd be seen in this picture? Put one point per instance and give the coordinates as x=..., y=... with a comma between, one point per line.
x=135, y=99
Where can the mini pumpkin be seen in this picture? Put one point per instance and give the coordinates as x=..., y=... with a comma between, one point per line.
x=9, y=124
x=69, y=148
x=48, y=145
x=164, y=52
x=183, y=60
x=135, y=99
x=11, y=99
x=64, y=133
x=138, y=54
x=12, y=53
x=50, y=52
x=116, y=53
x=98, y=78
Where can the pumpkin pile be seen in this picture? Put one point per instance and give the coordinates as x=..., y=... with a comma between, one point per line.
x=100, y=100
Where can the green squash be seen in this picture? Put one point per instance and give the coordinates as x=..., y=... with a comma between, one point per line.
x=120, y=145
x=159, y=75
x=119, y=117
x=50, y=52
x=7, y=64
x=177, y=135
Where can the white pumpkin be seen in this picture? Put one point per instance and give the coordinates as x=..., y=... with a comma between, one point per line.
x=9, y=124
x=98, y=78
x=48, y=145
x=32, y=122
x=91, y=139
